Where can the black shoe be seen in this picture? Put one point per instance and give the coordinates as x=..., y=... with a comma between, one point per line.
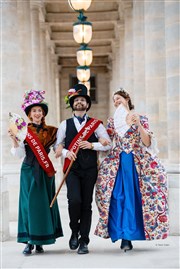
x=39, y=249
x=28, y=249
x=74, y=242
x=126, y=245
x=83, y=248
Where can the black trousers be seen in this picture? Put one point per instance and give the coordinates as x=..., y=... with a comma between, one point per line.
x=80, y=186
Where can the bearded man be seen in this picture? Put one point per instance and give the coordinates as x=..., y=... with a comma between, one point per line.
x=80, y=132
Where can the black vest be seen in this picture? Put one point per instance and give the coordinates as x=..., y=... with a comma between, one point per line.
x=86, y=158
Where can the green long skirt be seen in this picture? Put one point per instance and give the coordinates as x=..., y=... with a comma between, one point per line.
x=38, y=224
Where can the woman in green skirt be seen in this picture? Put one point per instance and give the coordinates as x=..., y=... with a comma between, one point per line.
x=38, y=224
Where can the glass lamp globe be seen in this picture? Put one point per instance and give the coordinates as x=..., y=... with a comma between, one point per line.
x=84, y=55
x=82, y=32
x=83, y=73
x=78, y=5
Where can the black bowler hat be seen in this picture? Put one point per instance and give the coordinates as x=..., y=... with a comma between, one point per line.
x=79, y=90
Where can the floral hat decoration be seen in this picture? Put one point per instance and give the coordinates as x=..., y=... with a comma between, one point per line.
x=34, y=98
x=78, y=90
x=71, y=92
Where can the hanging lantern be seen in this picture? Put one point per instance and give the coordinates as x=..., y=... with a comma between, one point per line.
x=87, y=84
x=78, y=5
x=82, y=32
x=83, y=73
x=84, y=55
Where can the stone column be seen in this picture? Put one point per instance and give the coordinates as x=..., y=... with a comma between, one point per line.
x=53, y=91
x=57, y=89
x=155, y=71
x=35, y=26
x=117, y=63
x=112, y=79
x=138, y=57
x=173, y=107
x=43, y=45
x=10, y=72
x=50, y=83
x=128, y=46
x=24, y=34
x=121, y=59
x=10, y=87
x=121, y=38
x=4, y=210
x=172, y=77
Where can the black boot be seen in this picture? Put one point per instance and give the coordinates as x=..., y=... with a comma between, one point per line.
x=126, y=245
x=39, y=249
x=74, y=242
x=28, y=249
x=83, y=248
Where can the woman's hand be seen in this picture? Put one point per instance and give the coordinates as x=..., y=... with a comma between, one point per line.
x=13, y=137
x=11, y=134
x=71, y=155
x=104, y=141
x=58, y=151
x=135, y=119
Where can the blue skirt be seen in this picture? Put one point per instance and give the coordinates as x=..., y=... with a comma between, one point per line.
x=125, y=214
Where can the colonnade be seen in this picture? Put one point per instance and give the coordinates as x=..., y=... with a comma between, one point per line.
x=145, y=61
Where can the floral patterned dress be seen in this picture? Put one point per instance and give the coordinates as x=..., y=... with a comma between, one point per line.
x=152, y=182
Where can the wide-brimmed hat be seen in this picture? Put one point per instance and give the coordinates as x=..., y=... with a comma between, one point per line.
x=34, y=98
x=79, y=90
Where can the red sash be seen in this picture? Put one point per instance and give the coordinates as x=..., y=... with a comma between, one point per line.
x=40, y=153
x=83, y=134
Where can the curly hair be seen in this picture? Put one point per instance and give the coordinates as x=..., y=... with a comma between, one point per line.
x=122, y=92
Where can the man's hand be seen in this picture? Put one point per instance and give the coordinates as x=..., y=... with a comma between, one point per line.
x=85, y=145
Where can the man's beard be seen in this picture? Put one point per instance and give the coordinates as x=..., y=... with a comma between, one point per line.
x=79, y=107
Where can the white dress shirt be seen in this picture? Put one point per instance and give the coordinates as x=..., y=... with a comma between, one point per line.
x=19, y=151
x=99, y=132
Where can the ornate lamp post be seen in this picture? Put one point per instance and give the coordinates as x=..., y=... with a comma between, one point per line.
x=82, y=33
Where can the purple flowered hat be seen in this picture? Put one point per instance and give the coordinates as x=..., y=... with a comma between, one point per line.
x=34, y=98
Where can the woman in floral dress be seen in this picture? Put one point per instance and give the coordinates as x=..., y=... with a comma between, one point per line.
x=131, y=189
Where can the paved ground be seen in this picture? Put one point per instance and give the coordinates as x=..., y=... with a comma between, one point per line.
x=103, y=253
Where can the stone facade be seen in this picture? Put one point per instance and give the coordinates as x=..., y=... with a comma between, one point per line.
x=144, y=59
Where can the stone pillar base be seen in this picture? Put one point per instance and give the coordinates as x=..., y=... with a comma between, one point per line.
x=173, y=172
x=4, y=210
